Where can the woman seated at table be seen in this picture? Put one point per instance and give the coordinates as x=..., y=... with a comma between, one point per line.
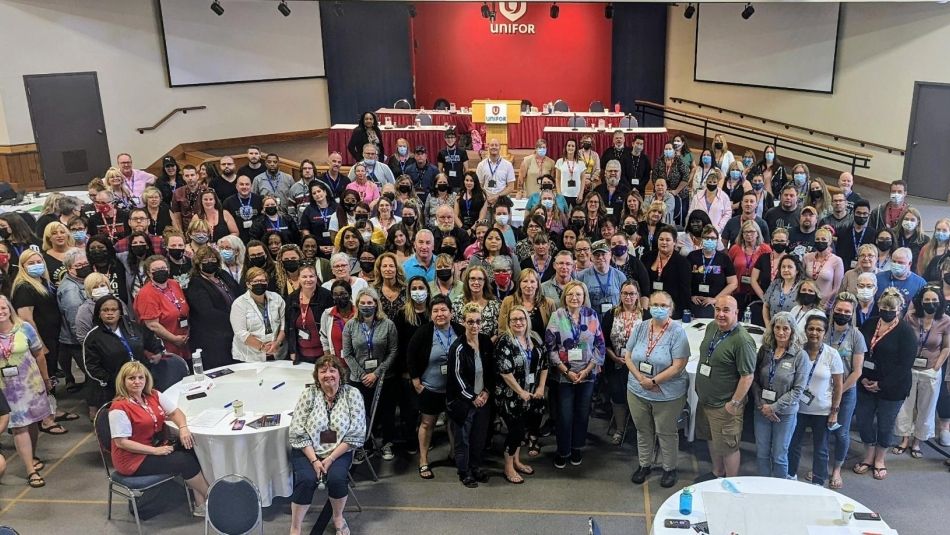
x=113, y=341
x=329, y=423
x=140, y=444
x=257, y=318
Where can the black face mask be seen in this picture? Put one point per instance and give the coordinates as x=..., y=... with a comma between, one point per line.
x=409, y=221
x=888, y=315
x=161, y=276
x=176, y=254
x=860, y=219
x=449, y=250
x=816, y=194
x=712, y=187
x=696, y=230
x=209, y=268
x=259, y=288
x=442, y=187
x=291, y=265
x=630, y=229
x=4, y=233
x=820, y=246
x=389, y=197
x=270, y=210
x=443, y=274
x=585, y=146
x=367, y=266
x=808, y=299
x=362, y=217
x=256, y=261
x=929, y=308
x=83, y=272
x=341, y=301
x=841, y=319
x=404, y=188
x=884, y=245
x=139, y=250
x=779, y=247
x=98, y=256
x=717, y=146
x=578, y=223
x=546, y=186
x=349, y=207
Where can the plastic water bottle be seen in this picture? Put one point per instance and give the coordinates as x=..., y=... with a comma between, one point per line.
x=197, y=365
x=747, y=316
x=686, y=501
x=687, y=316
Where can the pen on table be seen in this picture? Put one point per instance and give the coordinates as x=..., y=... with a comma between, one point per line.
x=278, y=385
x=229, y=405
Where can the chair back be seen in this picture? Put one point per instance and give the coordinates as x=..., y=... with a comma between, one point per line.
x=441, y=104
x=596, y=107
x=628, y=121
x=104, y=435
x=560, y=105
x=424, y=119
x=7, y=530
x=373, y=405
x=234, y=505
x=525, y=105
x=592, y=527
x=402, y=104
x=168, y=371
x=576, y=122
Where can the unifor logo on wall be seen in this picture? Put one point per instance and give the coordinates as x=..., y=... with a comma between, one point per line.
x=513, y=11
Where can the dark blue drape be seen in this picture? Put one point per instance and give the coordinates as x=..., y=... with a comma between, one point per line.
x=368, y=56
x=639, y=55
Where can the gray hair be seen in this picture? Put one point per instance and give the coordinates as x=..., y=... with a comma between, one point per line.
x=73, y=255
x=796, y=340
x=338, y=257
x=613, y=164
x=905, y=252
x=867, y=277
x=237, y=245
x=501, y=262
x=67, y=205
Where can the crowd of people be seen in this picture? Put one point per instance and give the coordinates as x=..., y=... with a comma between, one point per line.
x=525, y=331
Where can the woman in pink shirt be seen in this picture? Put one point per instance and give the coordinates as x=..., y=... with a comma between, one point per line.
x=824, y=267
x=713, y=201
x=369, y=191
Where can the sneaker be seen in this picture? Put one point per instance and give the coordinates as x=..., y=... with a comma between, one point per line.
x=641, y=475
x=576, y=458
x=200, y=510
x=668, y=479
x=359, y=457
x=560, y=462
x=388, y=452
x=469, y=482
x=440, y=421
x=944, y=439
x=480, y=476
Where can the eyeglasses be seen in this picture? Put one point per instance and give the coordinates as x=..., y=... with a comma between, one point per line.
x=582, y=249
x=629, y=294
x=517, y=320
x=473, y=322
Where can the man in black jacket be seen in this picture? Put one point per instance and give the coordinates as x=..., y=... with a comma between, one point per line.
x=622, y=154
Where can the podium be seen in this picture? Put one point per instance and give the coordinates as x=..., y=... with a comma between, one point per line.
x=497, y=115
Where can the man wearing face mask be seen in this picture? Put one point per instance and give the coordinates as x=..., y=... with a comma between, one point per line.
x=787, y=213
x=623, y=155
x=109, y=220
x=629, y=265
x=70, y=294
x=850, y=239
x=422, y=172
x=273, y=181
x=613, y=190
x=185, y=200
x=731, y=232
x=401, y=160
x=890, y=213
x=138, y=222
x=376, y=171
x=900, y=277
x=245, y=205
x=801, y=238
x=602, y=279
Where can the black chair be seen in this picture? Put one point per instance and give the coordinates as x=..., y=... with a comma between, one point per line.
x=402, y=104
x=371, y=420
x=441, y=104
x=577, y=122
x=525, y=105
x=168, y=371
x=129, y=487
x=596, y=107
x=560, y=105
x=629, y=121
x=424, y=119
x=234, y=506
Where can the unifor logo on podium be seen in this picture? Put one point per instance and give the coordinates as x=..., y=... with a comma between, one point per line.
x=496, y=113
x=513, y=11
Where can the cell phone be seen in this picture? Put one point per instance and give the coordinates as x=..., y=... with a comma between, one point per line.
x=237, y=425
x=196, y=396
x=867, y=516
x=701, y=527
x=677, y=523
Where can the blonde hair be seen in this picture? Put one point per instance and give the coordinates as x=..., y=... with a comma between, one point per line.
x=150, y=192
x=891, y=298
x=48, y=235
x=470, y=308
x=128, y=369
x=927, y=251
x=14, y=317
x=374, y=295
x=725, y=145
x=49, y=207
x=93, y=281
x=113, y=173
x=751, y=225
x=570, y=286
x=198, y=225
x=22, y=277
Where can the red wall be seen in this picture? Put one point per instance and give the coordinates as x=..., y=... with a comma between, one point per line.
x=456, y=57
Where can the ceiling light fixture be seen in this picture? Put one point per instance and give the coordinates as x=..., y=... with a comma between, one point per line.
x=690, y=11
x=555, y=10
x=283, y=8
x=217, y=8
x=748, y=11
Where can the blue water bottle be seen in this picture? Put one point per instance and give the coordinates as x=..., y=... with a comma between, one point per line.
x=687, y=315
x=686, y=501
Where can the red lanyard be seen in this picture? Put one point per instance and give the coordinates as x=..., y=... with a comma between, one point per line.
x=816, y=267
x=660, y=265
x=6, y=347
x=653, y=341
x=878, y=334
x=173, y=299
x=148, y=410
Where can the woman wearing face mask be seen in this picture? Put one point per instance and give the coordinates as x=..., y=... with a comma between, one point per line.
x=721, y=154
x=764, y=198
x=886, y=380
x=133, y=259
x=533, y=167
x=909, y=233
x=370, y=342
x=675, y=169
x=272, y=221
x=818, y=197
x=345, y=214
x=405, y=190
x=807, y=302
x=413, y=315
x=699, y=174
x=101, y=255
x=257, y=256
x=933, y=253
x=735, y=184
x=713, y=200
x=162, y=307
x=411, y=219
x=801, y=178
x=713, y=274
x=781, y=293
x=257, y=319
x=220, y=221
x=287, y=269
x=885, y=246
x=210, y=295
x=96, y=285
x=305, y=308
x=618, y=324
x=748, y=161
x=232, y=252
x=390, y=284
x=69, y=296
x=692, y=239
x=772, y=171
x=470, y=204
x=554, y=219
x=334, y=319
x=179, y=264
x=367, y=261
x=199, y=234
x=446, y=276
x=441, y=195
x=77, y=229
x=867, y=263
x=943, y=402
x=680, y=145
x=823, y=266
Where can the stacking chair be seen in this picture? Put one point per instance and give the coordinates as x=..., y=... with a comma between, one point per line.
x=234, y=506
x=576, y=122
x=629, y=121
x=560, y=105
x=371, y=419
x=424, y=119
x=129, y=487
x=596, y=107
x=402, y=104
x=169, y=371
x=592, y=527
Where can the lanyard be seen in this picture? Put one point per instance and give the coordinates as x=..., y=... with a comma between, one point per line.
x=468, y=205
x=830, y=337
x=527, y=352
x=816, y=267
x=783, y=297
x=541, y=270
x=857, y=241
x=6, y=350
x=575, y=329
x=369, y=333
x=715, y=343
x=324, y=214
x=707, y=267
x=274, y=225
x=652, y=341
x=447, y=342
x=265, y=315
x=772, y=369
x=148, y=409
x=271, y=182
x=923, y=337
x=660, y=265
x=125, y=343
x=811, y=373
x=878, y=335
x=245, y=211
x=491, y=169
x=173, y=299
x=604, y=288
x=862, y=316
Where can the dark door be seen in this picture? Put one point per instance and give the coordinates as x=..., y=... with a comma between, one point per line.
x=928, y=140
x=68, y=127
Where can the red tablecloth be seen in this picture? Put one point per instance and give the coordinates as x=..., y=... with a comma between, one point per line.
x=525, y=134
x=462, y=122
x=432, y=138
x=653, y=138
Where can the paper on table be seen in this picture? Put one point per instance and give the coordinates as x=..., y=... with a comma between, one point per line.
x=209, y=418
x=848, y=530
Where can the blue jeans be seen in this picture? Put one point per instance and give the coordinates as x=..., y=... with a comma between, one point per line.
x=876, y=417
x=573, y=415
x=771, y=442
x=819, y=435
x=842, y=435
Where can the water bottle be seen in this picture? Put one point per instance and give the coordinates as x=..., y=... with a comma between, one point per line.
x=686, y=501
x=747, y=316
x=197, y=365
x=687, y=316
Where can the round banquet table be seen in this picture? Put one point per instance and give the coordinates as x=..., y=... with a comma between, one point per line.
x=261, y=455
x=763, y=486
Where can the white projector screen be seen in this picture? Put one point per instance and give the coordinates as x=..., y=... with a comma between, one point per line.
x=250, y=42
x=783, y=46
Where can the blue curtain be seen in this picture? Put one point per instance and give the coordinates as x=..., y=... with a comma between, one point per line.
x=366, y=50
x=639, y=55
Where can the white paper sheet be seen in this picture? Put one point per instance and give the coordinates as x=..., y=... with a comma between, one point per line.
x=209, y=418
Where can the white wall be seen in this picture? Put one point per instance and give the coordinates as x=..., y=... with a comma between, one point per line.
x=883, y=48
x=121, y=41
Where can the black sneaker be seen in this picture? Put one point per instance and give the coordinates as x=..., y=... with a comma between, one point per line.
x=560, y=462
x=576, y=457
x=641, y=475
x=668, y=479
x=469, y=482
x=480, y=476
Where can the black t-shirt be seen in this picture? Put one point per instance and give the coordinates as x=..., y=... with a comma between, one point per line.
x=242, y=219
x=709, y=274
x=115, y=228
x=250, y=172
x=849, y=240
x=55, y=268
x=469, y=210
x=799, y=238
x=224, y=189
x=4, y=406
x=777, y=217
x=453, y=165
x=45, y=310
x=764, y=265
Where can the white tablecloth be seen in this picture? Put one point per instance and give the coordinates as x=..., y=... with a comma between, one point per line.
x=695, y=331
x=262, y=455
x=35, y=203
x=757, y=487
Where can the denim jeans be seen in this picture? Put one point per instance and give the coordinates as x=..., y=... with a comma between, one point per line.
x=470, y=439
x=842, y=436
x=573, y=415
x=771, y=443
x=819, y=435
x=875, y=418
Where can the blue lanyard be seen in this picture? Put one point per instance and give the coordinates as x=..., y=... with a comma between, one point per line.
x=706, y=267
x=275, y=224
x=525, y=350
x=369, y=334
x=771, y=369
x=493, y=169
x=575, y=329
x=782, y=297
x=857, y=241
x=324, y=214
x=122, y=339
x=862, y=317
x=546, y=264
x=603, y=289
x=715, y=343
x=837, y=344
x=271, y=182
x=468, y=206
x=447, y=343
x=811, y=373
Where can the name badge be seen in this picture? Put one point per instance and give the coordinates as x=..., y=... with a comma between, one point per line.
x=869, y=365
x=247, y=224
x=768, y=395
x=444, y=369
x=371, y=364
x=605, y=307
x=808, y=397
x=575, y=355
x=328, y=437
x=572, y=183
x=635, y=181
x=746, y=280
x=10, y=371
x=704, y=288
x=326, y=234
x=453, y=174
x=610, y=211
x=529, y=379
x=657, y=285
x=786, y=365
x=854, y=264
x=492, y=183
x=705, y=370
x=183, y=323
x=304, y=335
x=645, y=367
x=920, y=363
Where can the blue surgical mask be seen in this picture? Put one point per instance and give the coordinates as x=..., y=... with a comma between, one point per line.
x=402, y=150
x=547, y=203
x=799, y=178
x=542, y=151
x=709, y=245
x=36, y=270
x=79, y=236
x=707, y=160
x=668, y=153
x=758, y=186
x=898, y=270
x=942, y=235
x=735, y=174
x=227, y=255
x=660, y=313
x=747, y=162
x=769, y=156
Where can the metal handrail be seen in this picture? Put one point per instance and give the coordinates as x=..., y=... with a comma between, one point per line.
x=161, y=121
x=765, y=137
x=811, y=131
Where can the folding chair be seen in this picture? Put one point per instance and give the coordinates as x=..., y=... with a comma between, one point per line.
x=168, y=371
x=560, y=105
x=234, y=506
x=367, y=457
x=129, y=487
x=629, y=121
x=402, y=104
x=596, y=107
x=592, y=527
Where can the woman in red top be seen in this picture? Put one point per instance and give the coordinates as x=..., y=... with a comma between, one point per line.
x=334, y=319
x=137, y=425
x=162, y=307
x=745, y=254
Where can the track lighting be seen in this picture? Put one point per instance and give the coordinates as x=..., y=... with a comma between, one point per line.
x=283, y=8
x=690, y=11
x=217, y=8
x=748, y=11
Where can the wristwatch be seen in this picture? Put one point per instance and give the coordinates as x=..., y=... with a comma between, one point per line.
x=736, y=402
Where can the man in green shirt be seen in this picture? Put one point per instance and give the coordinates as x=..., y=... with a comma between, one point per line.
x=724, y=375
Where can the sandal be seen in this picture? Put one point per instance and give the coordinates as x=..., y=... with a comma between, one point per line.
x=525, y=469
x=880, y=474
x=50, y=430
x=36, y=480
x=38, y=464
x=835, y=483
x=345, y=530
x=66, y=417
x=517, y=480
x=424, y=470
x=809, y=476
x=534, y=448
x=898, y=450
x=916, y=453
x=861, y=468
